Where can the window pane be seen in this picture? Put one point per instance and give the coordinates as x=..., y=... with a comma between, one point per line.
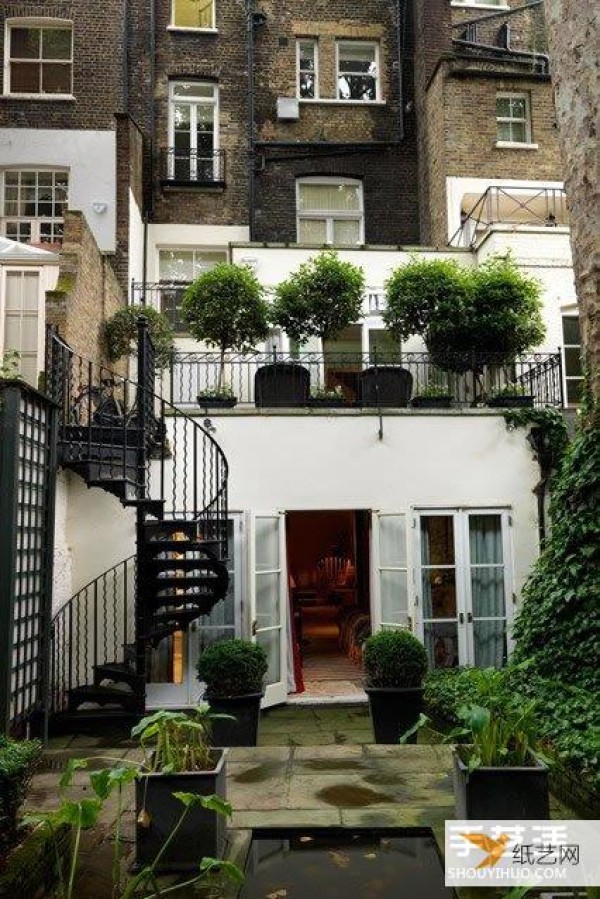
x=441, y=643
x=193, y=13
x=357, y=75
x=193, y=89
x=30, y=291
x=307, y=56
x=176, y=265
x=329, y=197
x=489, y=643
x=312, y=231
x=392, y=541
x=487, y=590
x=25, y=43
x=437, y=540
x=203, y=262
x=56, y=78
x=574, y=392
x=356, y=57
x=503, y=107
x=504, y=131
x=346, y=233
x=518, y=107
x=573, y=362
x=271, y=643
x=56, y=43
x=485, y=539
x=267, y=544
x=394, y=597
x=571, y=331
x=25, y=78
x=519, y=132
x=439, y=593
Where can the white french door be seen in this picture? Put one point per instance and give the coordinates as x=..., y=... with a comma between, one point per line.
x=463, y=586
x=268, y=595
x=389, y=580
x=193, y=131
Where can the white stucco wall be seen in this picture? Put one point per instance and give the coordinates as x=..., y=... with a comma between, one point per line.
x=312, y=461
x=100, y=532
x=61, y=590
x=90, y=157
x=136, y=241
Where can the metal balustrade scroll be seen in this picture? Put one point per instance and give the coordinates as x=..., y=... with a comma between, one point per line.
x=28, y=422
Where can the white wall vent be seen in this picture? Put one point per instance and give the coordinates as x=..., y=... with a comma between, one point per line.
x=288, y=109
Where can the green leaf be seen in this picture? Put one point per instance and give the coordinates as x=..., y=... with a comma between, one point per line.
x=209, y=865
x=213, y=803
x=84, y=813
x=73, y=765
x=423, y=721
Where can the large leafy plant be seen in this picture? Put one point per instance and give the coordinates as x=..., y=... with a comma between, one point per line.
x=394, y=659
x=225, y=307
x=466, y=316
x=321, y=299
x=121, y=330
x=497, y=739
x=174, y=742
x=232, y=668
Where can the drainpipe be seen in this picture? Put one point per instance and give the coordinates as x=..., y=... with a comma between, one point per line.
x=250, y=125
x=151, y=126
x=400, y=13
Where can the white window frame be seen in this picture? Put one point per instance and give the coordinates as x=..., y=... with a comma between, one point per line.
x=41, y=323
x=315, y=44
x=210, y=30
x=513, y=95
x=194, y=103
x=357, y=43
x=332, y=215
x=569, y=313
x=165, y=282
x=462, y=567
x=36, y=23
x=34, y=221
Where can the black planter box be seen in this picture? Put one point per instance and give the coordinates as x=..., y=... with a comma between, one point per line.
x=246, y=711
x=203, y=832
x=281, y=384
x=217, y=402
x=393, y=711
x=336, y=402
x=431, y=402
x=511, y=402
x=518, y=794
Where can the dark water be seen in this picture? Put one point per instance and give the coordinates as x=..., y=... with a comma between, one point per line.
x=343, y=864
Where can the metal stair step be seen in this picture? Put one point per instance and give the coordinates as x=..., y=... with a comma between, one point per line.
x=183, y=564
x=203, y=601
x=186, y=581
x=118, y=672
x=155, y=547
x=102, y=696
x=190, y=528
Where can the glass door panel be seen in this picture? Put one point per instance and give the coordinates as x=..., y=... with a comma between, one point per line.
x=439, y=594
x=486, y=615
x=390, y=587
x=268, y=599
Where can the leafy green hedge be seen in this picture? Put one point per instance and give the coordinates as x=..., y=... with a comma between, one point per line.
x=18, y=761
x=568, y=718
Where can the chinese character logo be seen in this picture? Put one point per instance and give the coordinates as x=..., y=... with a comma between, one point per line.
x=494, y=849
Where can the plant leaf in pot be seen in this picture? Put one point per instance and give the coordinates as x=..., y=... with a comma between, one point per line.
x=395, y=664
x=233, y=671
x=178, y=758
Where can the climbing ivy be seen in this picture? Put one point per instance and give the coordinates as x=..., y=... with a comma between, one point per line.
x=550, y=423
x=558, y=626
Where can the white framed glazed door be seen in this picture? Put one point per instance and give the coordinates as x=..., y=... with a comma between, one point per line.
x=267, y=582
x=389, y=572
x=463, y=586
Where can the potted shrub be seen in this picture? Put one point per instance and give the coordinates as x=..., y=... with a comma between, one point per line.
x=225, y=308
x=433, y=396
x=395, y=664
x=321, y=299
x=233, y=671
x=178, y=758
x=121, y=330
x=497, y=774
x=327, y=397
x=512, y=396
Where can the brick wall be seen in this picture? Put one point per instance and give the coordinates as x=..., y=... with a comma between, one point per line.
x=87, y=292
x=98, y=66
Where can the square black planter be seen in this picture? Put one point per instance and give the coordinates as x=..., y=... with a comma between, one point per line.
x=518, y=794
x=203, y=832
x=217, y=402
x=243, y=731
x=394, y=710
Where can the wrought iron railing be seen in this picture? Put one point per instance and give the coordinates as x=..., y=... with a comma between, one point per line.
x=121, y=432
x=338, y=379
x=95, y=627
x=511, y=206
x=194, y=167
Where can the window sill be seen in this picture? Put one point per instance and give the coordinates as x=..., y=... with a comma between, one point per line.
x=514, y=145
x=192, y=30
x=325, y=102
x=55, y=98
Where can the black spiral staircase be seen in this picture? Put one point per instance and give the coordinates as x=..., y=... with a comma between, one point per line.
x=123, y=437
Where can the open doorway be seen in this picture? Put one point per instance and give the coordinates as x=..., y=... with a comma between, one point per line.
x=328, y=571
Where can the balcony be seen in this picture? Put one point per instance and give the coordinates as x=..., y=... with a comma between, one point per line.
x=518, y=207
x=193, y=168
x=163, y=296
x=355, y=380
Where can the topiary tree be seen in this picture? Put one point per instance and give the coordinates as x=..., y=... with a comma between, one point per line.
x=394, y=659
x=120, y=333
x=225, y=307
x=322, y=298
x=232, y=668
x=493, y=311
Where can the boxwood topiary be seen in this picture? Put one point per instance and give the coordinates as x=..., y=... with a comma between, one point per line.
x=18, y=760
x=394, y=659
x=232, y=668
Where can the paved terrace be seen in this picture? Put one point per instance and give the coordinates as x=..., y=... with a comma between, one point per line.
x=315, y=766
